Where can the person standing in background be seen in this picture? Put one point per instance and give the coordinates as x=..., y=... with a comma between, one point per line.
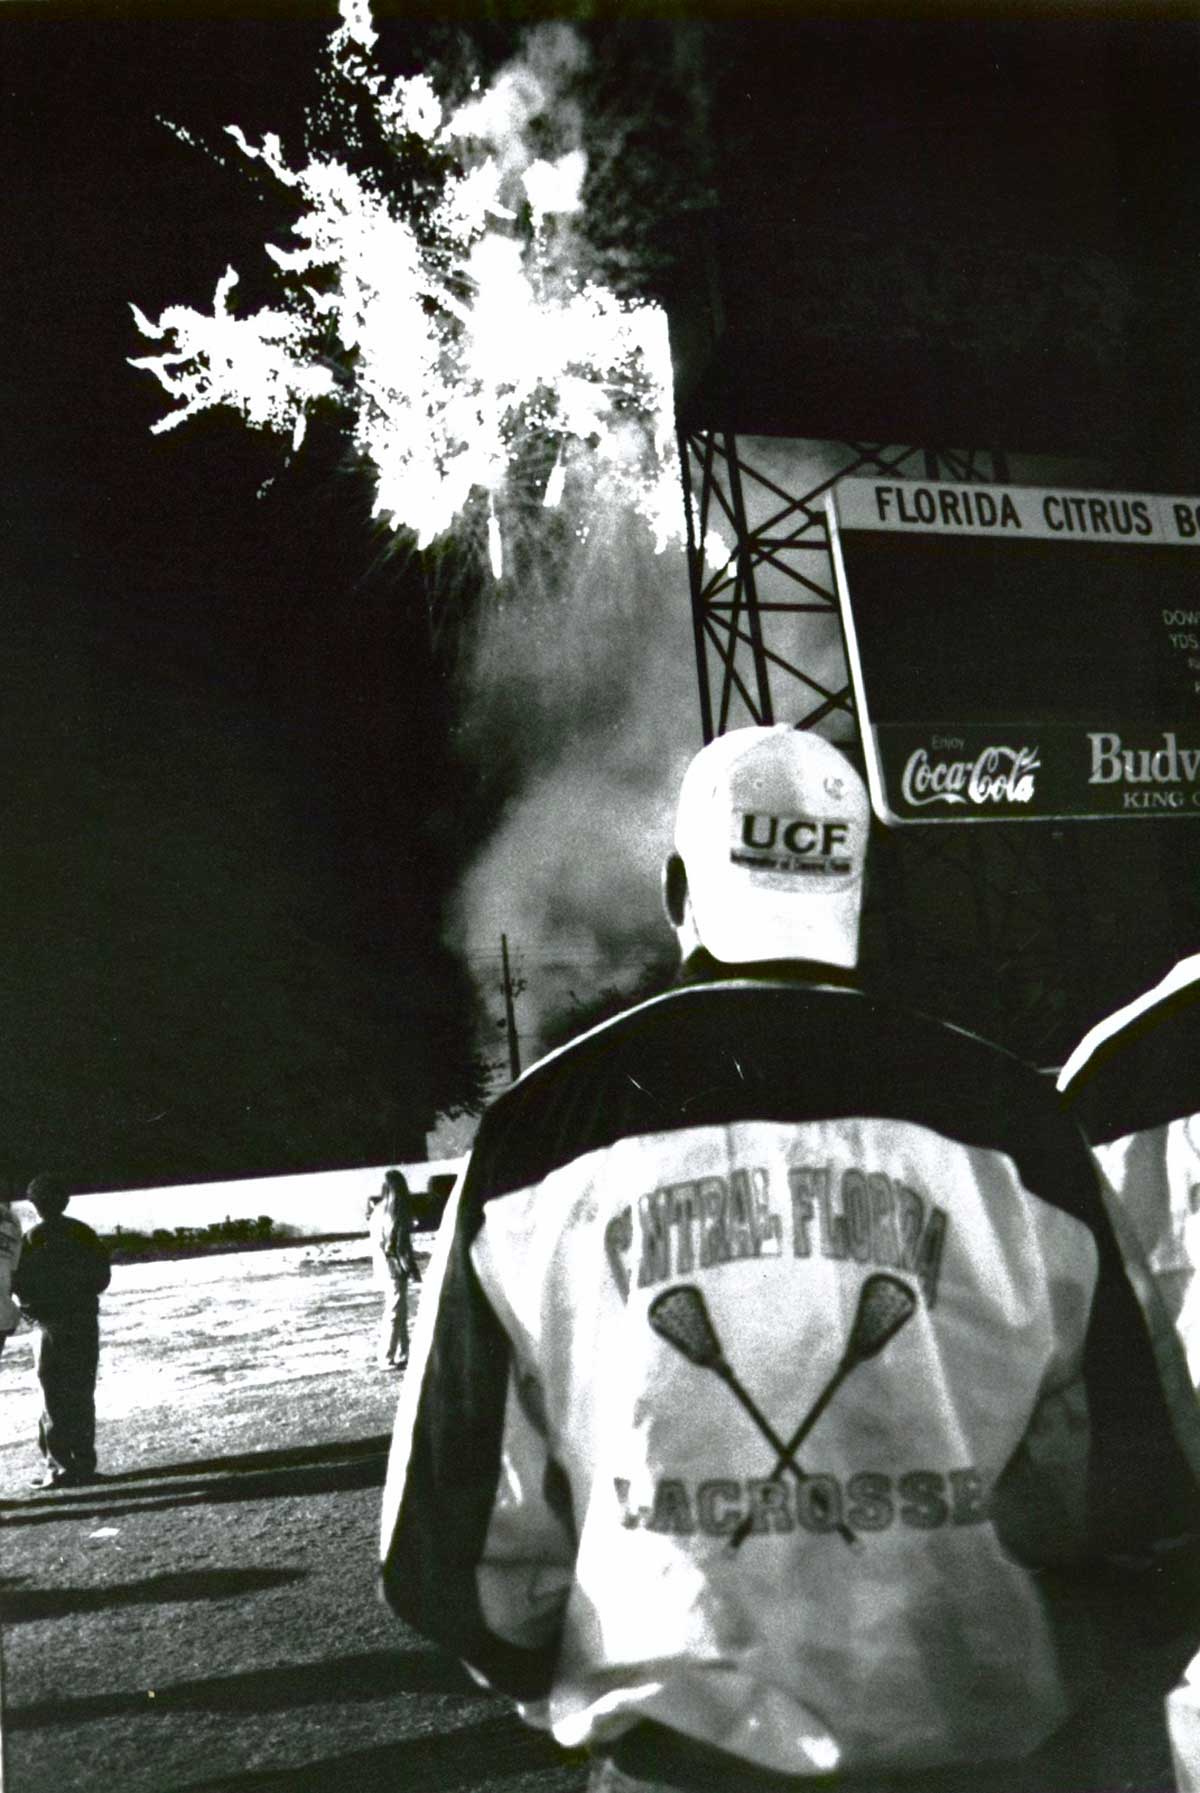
x=63, y=1271
x=10, y=1254
x=390, y=1226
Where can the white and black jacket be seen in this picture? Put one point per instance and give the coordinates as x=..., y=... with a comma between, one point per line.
x=1133, y=1084
x=773, y=1344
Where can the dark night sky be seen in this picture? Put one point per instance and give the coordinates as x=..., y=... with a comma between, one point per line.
x=232, y=815
x=226, y=749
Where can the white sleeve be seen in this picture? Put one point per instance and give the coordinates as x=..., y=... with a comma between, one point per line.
x=528, y=1561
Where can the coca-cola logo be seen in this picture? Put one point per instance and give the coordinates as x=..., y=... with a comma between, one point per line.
x=995, y=775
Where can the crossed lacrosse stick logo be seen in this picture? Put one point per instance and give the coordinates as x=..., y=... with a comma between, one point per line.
x=680, y=1315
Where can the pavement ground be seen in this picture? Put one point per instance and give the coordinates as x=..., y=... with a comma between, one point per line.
x=206, y=1617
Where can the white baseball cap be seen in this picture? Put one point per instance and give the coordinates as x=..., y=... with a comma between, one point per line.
x=772, y=828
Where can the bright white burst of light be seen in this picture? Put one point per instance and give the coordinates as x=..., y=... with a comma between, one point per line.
x=255, y=364
x=461, y=331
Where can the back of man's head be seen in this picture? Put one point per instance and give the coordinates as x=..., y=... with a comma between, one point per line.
x=49, y=1195
x=772, y=830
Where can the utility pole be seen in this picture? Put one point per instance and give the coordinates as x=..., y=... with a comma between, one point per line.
x=510, y=1015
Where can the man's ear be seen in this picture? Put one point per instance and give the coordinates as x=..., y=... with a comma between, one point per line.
x=675, y=889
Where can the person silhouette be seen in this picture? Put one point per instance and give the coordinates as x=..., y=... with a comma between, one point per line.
x=63, y=1271
x=390, y=1226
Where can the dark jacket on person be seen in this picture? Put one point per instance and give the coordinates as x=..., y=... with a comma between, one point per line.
x=64, y=1268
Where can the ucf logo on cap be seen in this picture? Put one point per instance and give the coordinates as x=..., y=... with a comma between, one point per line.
x=807, y=845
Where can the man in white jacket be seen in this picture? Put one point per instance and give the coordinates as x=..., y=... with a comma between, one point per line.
x=778, y=1360
x=1133, y=1083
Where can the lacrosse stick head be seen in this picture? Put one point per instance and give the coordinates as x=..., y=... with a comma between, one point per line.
x=885, y=1304
x=680, y=1315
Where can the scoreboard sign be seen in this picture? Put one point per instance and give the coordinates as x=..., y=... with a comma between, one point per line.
x=1021, y=653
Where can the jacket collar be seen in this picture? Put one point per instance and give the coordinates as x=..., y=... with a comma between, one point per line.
x=701, y=968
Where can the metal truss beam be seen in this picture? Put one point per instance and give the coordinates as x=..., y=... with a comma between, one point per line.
x=758, y=561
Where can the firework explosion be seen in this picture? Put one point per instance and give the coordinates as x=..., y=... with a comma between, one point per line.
x=442, y=291
x=447, y=311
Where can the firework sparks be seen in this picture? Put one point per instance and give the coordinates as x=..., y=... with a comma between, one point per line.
x=456, y=329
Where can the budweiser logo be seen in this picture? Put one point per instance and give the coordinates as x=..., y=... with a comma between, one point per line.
x=995, y=775
x=1114, y=763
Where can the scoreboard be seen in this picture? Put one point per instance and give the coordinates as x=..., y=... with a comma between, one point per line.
x=1021, y=653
